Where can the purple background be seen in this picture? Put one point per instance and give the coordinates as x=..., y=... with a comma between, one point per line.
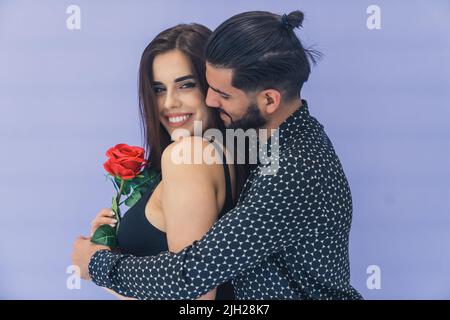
x=382, y=95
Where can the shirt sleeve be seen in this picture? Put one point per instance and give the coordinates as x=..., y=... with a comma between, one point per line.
x=268, y=219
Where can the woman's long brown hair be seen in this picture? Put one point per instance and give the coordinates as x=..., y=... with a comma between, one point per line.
x=191, y=40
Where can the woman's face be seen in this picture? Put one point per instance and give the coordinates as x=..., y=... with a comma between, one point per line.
x=178, y=95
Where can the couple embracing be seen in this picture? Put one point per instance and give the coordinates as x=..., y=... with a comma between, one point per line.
x=230, y=229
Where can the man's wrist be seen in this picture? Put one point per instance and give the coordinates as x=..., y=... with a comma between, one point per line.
x=100, y=266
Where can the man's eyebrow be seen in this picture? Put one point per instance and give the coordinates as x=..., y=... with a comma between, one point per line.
x=189, y=76
x=219, y=92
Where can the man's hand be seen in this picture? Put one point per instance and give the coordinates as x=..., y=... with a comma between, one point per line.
x=83, y=250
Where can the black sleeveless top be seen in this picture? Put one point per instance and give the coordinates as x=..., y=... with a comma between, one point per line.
x=137, y=236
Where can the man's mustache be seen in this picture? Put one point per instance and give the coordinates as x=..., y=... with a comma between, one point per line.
x=228, y=115
x=223, y=111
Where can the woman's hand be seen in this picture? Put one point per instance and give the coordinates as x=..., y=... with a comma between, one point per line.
x=105, y=216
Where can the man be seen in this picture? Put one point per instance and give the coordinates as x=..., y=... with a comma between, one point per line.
x=287, y=237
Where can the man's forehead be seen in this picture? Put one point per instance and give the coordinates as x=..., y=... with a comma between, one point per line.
x=219, y=77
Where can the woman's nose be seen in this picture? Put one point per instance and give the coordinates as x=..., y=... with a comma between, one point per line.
x=172, y=100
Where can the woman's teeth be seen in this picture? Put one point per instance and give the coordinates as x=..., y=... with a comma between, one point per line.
x=179, y=119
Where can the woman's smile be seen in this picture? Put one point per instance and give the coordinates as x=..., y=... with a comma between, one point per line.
x=178, y=119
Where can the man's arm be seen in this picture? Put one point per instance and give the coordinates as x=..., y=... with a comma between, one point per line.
x=260, y=226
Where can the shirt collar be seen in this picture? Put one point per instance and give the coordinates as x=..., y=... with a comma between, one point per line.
x=288, y=131
x=293, y=125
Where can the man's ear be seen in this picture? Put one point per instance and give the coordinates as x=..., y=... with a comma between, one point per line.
x=270, y=100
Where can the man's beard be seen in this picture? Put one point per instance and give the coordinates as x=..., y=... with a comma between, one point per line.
x=252, y=119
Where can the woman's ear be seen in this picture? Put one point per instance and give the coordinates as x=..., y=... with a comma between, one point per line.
x=270, y=100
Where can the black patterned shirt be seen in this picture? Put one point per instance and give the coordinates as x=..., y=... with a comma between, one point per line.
x=287, y=237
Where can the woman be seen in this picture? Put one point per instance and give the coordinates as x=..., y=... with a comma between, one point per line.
x=190, y=197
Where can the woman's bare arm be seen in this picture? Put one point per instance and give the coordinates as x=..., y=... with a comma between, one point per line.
x=189, y=198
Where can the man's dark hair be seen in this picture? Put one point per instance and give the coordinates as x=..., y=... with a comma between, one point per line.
x=263, y=51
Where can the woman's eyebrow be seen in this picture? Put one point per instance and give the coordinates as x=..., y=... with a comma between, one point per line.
x=189, y=76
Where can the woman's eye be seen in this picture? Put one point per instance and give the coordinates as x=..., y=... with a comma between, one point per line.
x=188, y=85
x=158, y=90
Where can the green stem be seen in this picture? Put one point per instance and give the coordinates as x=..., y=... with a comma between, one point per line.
x=117, y=216
x=120, y=191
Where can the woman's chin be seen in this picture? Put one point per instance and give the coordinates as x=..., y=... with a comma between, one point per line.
x=179, y=133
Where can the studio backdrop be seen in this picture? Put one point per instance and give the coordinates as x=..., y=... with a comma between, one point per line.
x=68, y=92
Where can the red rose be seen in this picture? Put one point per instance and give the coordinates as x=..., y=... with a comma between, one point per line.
x=125, y=161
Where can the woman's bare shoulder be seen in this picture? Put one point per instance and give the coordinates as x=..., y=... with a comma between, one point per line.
x=192, y=153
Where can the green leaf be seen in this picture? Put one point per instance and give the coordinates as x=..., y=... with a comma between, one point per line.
x=133, y=198
x=126, y=187
x=152, y=175
x=134, y=182
x=105, y=235
x=143, y=183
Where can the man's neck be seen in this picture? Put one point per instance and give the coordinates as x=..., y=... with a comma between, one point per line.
x=279, y=116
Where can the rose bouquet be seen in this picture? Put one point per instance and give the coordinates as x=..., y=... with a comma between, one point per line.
x=125, y=169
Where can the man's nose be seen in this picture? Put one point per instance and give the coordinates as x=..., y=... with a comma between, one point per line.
x=211, y=99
